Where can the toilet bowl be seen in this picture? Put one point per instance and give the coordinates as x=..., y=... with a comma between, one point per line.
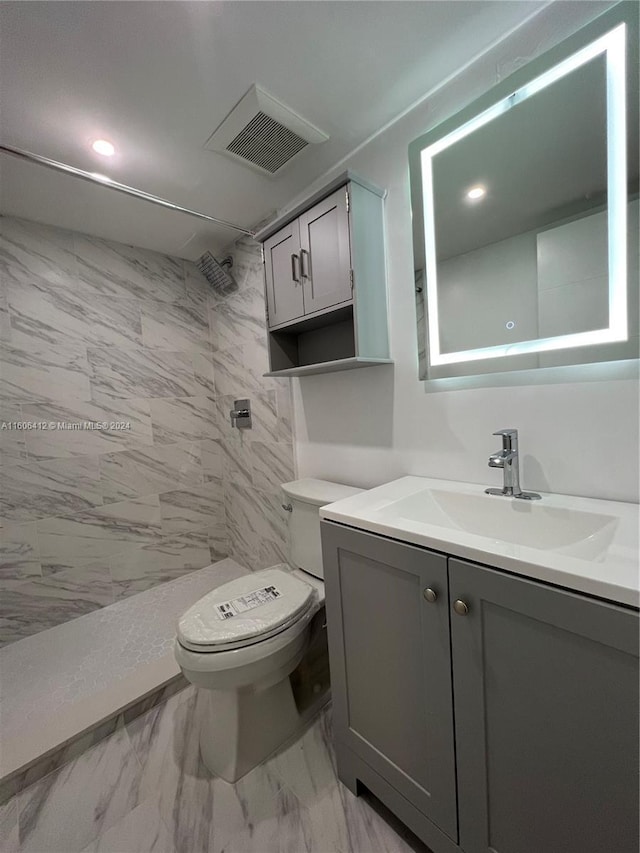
x=241, y=643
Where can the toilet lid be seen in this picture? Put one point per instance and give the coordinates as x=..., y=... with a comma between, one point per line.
x=245, y=610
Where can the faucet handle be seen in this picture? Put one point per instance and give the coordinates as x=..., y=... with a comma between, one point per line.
x=506, y=432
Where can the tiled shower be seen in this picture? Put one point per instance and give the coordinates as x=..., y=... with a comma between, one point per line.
x=97, y=333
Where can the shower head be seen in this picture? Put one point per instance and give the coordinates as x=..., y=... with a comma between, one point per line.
x=216, y=273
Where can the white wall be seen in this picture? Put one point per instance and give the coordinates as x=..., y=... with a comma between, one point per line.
x=578, y=425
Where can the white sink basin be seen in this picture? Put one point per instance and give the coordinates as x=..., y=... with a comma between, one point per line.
x=580, y=543
x=532, y=524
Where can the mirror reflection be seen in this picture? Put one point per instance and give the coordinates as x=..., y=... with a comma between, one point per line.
x=519, y=235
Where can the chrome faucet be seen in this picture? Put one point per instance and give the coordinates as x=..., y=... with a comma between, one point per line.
x=508, y=459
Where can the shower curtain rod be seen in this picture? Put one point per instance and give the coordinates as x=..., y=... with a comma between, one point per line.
x=103, y=181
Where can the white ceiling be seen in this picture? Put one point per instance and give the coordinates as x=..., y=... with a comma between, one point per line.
x=156, y=78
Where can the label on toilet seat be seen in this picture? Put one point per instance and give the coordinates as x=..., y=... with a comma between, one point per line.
x=236, y=606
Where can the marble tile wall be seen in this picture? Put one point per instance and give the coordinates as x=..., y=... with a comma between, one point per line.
x=101, y=333
x=253, y=462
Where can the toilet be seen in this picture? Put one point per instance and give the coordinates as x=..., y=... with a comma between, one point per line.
x=242, y=642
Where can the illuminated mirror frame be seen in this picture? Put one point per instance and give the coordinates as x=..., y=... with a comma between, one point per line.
x=611, y=41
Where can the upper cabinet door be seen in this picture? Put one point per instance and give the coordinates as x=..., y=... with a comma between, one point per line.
x=285, y=300
x=546, y=715
x=325, y=254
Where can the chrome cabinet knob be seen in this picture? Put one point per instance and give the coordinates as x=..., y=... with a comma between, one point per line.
x=461, y=607
x=430, y=594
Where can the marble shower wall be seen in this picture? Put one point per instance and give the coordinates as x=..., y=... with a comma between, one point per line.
x=100, y=333
x=254, y=462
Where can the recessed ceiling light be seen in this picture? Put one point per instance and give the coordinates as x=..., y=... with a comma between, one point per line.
x=104, y=147
x=476, y=192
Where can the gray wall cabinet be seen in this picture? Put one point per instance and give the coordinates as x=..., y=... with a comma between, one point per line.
x=325, y=281
x=492, y=713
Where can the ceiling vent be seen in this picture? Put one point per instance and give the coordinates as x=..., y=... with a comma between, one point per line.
x=262, y=133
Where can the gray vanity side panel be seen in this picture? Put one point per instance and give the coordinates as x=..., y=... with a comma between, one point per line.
x=390, y=663
x=366, y=222
x=352, y=769
x=546, y=704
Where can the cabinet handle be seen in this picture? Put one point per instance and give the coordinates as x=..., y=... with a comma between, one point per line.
x=305, y=267
x=295, y=260
x=430, y=595
x=461, y=607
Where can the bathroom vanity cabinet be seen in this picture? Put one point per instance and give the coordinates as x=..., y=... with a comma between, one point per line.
x=325, y=281
x=490, y=712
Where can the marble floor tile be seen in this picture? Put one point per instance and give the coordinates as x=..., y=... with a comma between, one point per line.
x=34, y=605
x=98, y=533
x=306, y=767
x=249, y=814
x=141, y=831
x=117, y=271
x=57, y=487
x=64, y=754
x=19, y=551
x=284, y=828
x=69, y=808
x=38, y=373
x=169, y=558
x=184, y=419
x=192, y=509
x=166, y=741
x=175, y=326
x=144, y=373
x=150, y=470
x=60, y=443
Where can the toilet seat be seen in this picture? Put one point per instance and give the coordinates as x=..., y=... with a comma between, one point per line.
x=246, y=611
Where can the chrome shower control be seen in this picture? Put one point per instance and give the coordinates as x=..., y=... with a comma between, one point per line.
x=240, y=415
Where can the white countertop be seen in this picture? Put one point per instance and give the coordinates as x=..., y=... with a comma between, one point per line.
x=582, y=544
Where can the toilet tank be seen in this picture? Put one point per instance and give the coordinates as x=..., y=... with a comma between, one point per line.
x=306, y=497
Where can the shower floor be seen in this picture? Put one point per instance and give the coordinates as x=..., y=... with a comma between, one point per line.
x=68, y=681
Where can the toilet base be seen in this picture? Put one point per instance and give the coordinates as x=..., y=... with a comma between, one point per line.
x=241, y=728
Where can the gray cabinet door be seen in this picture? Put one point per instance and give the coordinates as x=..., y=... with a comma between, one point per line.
x=285, y=300
x=325, y=253
x=390, y=665
x=546, y=711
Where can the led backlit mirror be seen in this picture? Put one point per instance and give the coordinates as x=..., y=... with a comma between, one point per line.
x=525, y=215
